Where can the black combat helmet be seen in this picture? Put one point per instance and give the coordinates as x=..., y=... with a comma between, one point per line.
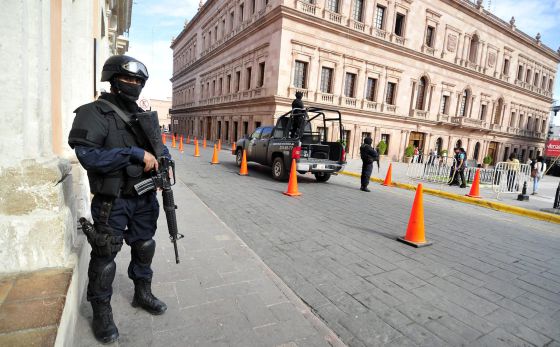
x=123, y=65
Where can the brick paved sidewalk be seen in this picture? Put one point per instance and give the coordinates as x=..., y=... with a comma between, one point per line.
x=221, y=294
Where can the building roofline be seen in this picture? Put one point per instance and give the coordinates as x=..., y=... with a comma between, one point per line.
x=508, y=28
x=478, y=12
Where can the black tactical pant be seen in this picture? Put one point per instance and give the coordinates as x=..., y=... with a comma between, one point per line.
x=135, y=219
x=366, y=174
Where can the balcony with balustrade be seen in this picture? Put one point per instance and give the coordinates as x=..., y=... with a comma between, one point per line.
x=307, y=7
x=443, y=118
x=421, y=114
x=326, y=98
x=333, y=17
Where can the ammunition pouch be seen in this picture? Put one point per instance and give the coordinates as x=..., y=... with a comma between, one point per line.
x=134, y=174
x=108, y=185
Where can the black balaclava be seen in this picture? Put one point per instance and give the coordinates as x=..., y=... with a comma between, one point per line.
x=128, y=91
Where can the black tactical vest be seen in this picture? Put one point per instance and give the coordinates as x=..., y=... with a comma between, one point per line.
x=98, y=125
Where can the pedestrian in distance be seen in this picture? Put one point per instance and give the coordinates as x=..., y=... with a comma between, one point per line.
x=117, y=155
x=513, y=167
x=415, y=156
x=537, y=173
x=458, y=170
x=368, y=155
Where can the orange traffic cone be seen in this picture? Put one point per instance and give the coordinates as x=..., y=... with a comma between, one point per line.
x=188, y=139
x=243, y=170
x=475, y=188
x=215, y=156
x=164, y=139
x=204, y=143
x=196, y=150
x=292, y=183
x=181, y=144
x=415, y=235
x=219, y=144
x=173, y=144
x=388, y=181
x=233, y=148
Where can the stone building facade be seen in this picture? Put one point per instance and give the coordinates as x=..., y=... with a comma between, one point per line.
x=431, y=74
x=52, y=55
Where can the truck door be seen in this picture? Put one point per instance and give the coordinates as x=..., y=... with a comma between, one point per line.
x=252, y=145
x=262, y=145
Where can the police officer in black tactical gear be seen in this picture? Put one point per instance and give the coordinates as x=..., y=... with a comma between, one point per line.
x=298, y=114
x=368, y=155
x=117, y=156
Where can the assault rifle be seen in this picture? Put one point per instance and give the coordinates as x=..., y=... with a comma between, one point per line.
x=160, y=180
x=149, y=124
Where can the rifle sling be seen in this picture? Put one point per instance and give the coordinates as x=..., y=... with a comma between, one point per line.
x=125, y=117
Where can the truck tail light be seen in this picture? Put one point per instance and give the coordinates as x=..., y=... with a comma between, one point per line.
x=343, y=157
x=296, y=152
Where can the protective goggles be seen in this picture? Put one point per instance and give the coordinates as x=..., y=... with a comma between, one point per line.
x=136, y=68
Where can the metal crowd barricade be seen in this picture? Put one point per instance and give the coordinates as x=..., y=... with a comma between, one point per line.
x=438, y=170
x=486, y=175
x=510, y=177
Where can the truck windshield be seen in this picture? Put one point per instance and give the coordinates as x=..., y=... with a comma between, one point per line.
x=266, y=132
x=257, y=134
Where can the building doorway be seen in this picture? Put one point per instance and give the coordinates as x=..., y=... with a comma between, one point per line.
x=492, y=147
x=439, y=145
x=235, y=135
x=476, y=151
x=208, y=128
x=417, y=140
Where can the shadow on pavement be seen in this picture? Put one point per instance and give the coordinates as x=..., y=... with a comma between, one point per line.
x=380, y=233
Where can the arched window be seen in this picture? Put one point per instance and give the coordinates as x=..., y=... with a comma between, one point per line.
x=464, y=103
x=421, y=96
x=529, y=123
x=459, y=144
x=476, y=151
x=499, y=111
x=473, y=51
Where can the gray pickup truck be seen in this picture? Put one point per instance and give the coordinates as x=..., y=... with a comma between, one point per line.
x=293, y=138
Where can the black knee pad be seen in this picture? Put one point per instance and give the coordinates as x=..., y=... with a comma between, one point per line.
x=101, y=277
x=144, y=251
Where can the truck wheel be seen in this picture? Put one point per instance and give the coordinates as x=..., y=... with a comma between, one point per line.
x=279, y=169
x=322, y=177
x=239, y=157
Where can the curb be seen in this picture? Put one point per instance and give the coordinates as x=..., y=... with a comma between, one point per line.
x=498, y=206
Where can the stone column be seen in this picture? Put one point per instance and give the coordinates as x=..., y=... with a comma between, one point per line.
x=346, y=8
x=499, y=63
x=466, y=46
x=414, y=98
x=450, y=145
x=369, y=12
x=480, y=52
x=459, y=49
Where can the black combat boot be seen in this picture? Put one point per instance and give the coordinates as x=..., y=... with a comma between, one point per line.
x=144, y=298
x=103, y=326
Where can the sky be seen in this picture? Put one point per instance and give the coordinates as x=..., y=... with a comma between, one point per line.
x=155, y=23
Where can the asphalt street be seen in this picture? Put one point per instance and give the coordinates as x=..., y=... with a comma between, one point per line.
x=490, y=278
